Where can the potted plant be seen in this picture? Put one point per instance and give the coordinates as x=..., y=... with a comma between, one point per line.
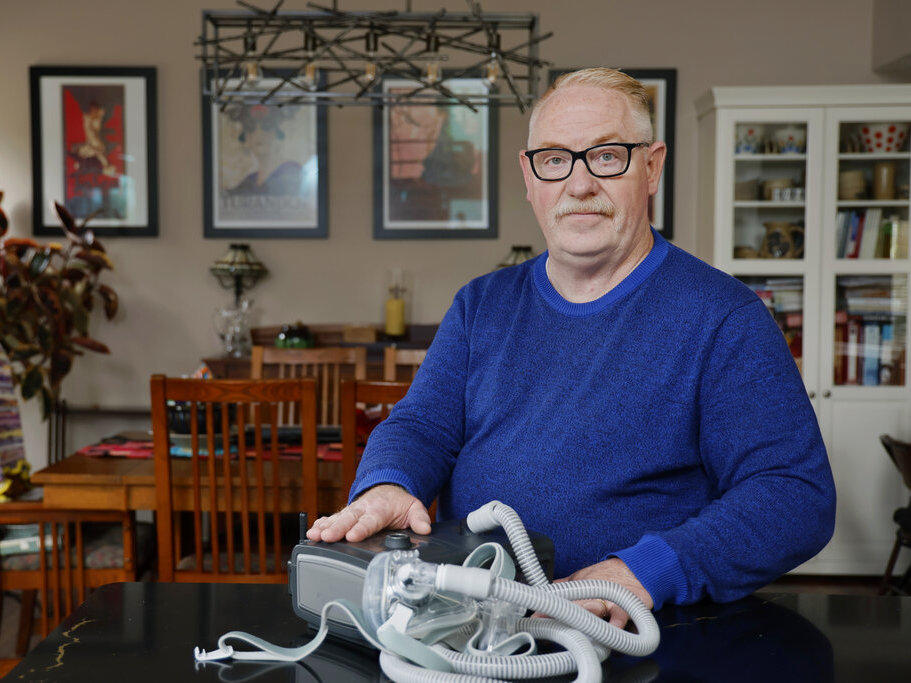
x=46, y=296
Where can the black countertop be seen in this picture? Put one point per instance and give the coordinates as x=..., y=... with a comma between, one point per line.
x=147, y=631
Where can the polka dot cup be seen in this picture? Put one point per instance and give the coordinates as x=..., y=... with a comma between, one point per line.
x=883, y=137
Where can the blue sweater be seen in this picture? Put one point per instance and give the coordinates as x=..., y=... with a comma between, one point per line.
x=664, y=423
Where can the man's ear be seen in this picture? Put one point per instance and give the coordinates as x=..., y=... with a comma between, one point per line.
x=657, y=152
x=527, y=174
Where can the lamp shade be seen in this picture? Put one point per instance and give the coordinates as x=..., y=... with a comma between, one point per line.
x=238, y=269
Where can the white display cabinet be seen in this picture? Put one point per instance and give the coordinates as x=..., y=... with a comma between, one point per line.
x=803, y=195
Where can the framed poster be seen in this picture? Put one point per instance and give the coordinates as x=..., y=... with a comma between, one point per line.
x=94, y=148
x=264, y=168
x=435, y=166
x=661, y=85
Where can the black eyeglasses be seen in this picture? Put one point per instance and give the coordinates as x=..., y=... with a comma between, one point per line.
x=602, y=161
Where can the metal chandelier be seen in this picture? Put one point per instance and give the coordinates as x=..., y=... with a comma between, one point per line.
x=332, y=56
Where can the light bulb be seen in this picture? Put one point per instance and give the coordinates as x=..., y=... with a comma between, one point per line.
x=492, y=71
x=433, y=71
x=309, y=75
x=252, y=72
x=370, y=71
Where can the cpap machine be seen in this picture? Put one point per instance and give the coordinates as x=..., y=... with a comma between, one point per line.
x=451, y=606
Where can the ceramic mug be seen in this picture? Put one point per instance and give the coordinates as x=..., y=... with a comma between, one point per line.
x=851, y=185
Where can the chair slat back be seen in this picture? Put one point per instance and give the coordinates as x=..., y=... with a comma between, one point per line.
x=232, y=481
x=900, y=453
x=394, y=358
x=326, y=365
x=386, y=394
x=62, y=576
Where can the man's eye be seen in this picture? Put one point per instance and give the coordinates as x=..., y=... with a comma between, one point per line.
x=607, y=156
x=554, y=161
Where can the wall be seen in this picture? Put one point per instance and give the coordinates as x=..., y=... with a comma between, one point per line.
x=166, y=291
x=891, y=24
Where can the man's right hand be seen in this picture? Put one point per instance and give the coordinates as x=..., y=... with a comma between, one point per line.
x=383, y=506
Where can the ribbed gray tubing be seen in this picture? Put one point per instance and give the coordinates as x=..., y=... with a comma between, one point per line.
x=401, y=671
x=580, y=656
x=560, y=608
x=521, y=544
x=530, y=666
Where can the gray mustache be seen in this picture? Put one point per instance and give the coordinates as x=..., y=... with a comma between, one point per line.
x=588, y=206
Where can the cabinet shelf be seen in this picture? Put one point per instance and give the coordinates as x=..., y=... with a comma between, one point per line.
x=768, y=204
x=770, y=157
x=873, y=156
x=848, y=204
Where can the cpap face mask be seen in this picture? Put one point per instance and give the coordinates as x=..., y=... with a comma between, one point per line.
x=460, y=622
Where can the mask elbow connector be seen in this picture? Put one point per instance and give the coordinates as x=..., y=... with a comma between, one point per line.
x=471, y=581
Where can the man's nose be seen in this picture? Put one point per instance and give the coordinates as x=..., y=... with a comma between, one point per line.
x=581, y=183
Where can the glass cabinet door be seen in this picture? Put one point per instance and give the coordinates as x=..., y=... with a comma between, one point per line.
x=769, y=189
x=871, y=220
x=870, y=333
x=784, y=299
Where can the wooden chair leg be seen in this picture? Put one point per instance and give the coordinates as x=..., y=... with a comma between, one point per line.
x=26, y=621
x=885, y=584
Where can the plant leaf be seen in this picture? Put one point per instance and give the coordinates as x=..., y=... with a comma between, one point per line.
x=95, y=258
x=73, y=274
x=91, y=344
x=39, y=263
x=110, y=299
x=69, y=225
x=32, y=382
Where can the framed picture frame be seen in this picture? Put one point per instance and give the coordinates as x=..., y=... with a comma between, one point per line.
x=435, y=166
x=661, y=85
x=94, y=148
x=265, y=170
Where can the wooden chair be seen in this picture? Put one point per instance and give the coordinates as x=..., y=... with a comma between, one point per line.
x=900, y=453
x=326, y=365
x=393, y=358
x=85, y=557
x=235, y=494
x=386, y=394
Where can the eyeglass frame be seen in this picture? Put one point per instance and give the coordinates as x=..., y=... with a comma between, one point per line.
x=630, y=146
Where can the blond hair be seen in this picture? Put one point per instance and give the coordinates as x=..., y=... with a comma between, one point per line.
x=608, y=79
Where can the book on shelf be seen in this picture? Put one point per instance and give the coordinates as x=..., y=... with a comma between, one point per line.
x=893, y=238
x=871, y=234
x=886, y=354
x=841, y=347
x=841, y=233
x=856, y=235
x=872, y=338
x=852, y=349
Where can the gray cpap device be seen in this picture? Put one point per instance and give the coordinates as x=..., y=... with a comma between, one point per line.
x=321, y=572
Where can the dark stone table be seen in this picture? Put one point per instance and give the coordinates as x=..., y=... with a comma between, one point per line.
x=137, y=632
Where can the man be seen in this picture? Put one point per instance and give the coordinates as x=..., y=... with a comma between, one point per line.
x=636, y=405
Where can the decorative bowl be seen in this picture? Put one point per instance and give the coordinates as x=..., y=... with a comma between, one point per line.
x=749, y=138
x=881, y=136
x=791, y=139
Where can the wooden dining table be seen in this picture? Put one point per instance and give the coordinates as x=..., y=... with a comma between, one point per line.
x=114, y=483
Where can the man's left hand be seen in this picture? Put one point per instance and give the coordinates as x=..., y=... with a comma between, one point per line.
x=616, y=571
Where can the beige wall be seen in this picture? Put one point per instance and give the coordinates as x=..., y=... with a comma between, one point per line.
x=166, y=291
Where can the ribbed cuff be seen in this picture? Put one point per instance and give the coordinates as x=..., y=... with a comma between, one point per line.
x=657, y=567
x=384, y=476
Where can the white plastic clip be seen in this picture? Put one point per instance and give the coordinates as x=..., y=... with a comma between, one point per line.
x=225, y=652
